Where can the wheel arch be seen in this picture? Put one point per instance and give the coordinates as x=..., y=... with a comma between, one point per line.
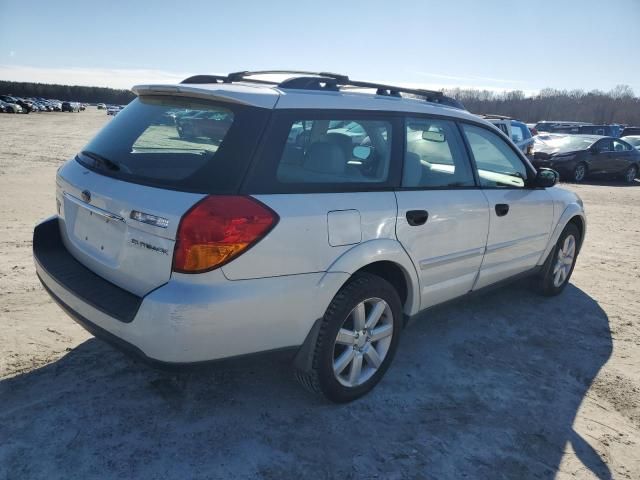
x=387, y=259
x=573, y=213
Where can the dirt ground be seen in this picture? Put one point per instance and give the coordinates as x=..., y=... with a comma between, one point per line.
x=509, y=385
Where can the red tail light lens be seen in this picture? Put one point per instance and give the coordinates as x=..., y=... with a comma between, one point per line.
x=218, y=229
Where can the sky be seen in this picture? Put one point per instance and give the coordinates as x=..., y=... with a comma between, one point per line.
x=489, y=44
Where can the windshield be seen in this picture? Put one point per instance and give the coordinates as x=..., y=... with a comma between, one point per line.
x=176, y=142
x=566, y=143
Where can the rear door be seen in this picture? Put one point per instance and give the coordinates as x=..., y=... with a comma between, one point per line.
x=622, y=156
x=443, y=217
x=121, y=199
x=600, y=157
x=520, y=218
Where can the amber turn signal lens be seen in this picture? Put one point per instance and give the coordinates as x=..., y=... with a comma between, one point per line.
x=218, y=229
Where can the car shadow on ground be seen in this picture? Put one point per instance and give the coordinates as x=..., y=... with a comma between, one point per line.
x=486, y=388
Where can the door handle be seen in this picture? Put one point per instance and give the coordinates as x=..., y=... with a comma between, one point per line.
x=502, y=209
x=417, y=217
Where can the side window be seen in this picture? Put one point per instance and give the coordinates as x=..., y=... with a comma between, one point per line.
x=435, y=155
x=503, y=127
x=604, y=145
x=517, y=135
x=336, y=151
x=498, y=165
x=619, y=146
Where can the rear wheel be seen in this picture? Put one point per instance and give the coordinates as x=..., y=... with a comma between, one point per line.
x=631, y=174
x=579, y=173
x=357, y=339
x=559, y=266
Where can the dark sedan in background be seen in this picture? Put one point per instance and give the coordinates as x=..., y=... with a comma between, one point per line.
x=576, y=157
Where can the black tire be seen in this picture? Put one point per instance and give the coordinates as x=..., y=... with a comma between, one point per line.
x=320, y=378
x=630, y=174
x=579, y=173
x=546, y=279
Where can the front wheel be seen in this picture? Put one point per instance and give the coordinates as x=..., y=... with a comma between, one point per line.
x=357, y=339
x=558, y=268
x=579, y=173
x=631, y=174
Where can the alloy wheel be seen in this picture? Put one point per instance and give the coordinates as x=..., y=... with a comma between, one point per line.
x=579, y=173
x=564, y=261
x=362, y=342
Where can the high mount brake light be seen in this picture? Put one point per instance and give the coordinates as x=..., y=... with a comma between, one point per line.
x=218, y=229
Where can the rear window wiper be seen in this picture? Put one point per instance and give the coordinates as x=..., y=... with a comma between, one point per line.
x=101, y=161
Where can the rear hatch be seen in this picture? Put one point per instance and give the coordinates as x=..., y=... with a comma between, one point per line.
x=121, y=199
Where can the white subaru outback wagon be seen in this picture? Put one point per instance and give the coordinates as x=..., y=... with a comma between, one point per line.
x=230, y=215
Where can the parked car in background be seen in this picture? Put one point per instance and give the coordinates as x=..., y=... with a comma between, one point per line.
x=633, y=140
x=558, y=126
x=516, y=130
x=248, y=240
x=113, y=110
x=604, y=130
x=630, y=131
x=532, y=129
x=9, y=107
x=576, y=157
x=205, y=124
x=101, y=106
x=25, y=107
x=70, y=107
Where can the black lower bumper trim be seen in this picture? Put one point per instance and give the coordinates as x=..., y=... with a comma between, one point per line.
x=53, y=257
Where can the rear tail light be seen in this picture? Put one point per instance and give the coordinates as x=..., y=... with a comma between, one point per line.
x=218, y=229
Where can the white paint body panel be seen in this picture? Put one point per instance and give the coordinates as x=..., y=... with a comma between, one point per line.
x=448, y=249
x=518, y=239
x=299, y=243
x=114, y=250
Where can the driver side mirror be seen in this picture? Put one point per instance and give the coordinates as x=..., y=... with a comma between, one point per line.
x=546, y=178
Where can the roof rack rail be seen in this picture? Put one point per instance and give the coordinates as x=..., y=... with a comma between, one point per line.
x=326, y=81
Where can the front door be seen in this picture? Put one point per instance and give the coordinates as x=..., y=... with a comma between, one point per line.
x=520, y=218
x=443, y=217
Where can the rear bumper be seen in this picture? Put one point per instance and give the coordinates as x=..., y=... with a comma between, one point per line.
x=190, y=319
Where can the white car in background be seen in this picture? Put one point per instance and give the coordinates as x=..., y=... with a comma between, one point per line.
x=245, y=238
x=113, y=110
x=633, y=140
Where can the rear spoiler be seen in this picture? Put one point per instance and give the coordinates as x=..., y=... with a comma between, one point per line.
x=239, y=95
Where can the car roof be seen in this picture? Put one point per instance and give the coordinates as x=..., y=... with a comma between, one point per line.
x=276, y=97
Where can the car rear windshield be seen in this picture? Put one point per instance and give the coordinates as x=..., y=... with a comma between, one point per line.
x=177, y=143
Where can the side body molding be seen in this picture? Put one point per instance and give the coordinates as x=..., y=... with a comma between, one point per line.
x=380, y=250
x=572, y=210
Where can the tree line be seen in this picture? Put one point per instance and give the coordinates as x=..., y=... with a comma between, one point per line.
x=73, y=93
x=618, y=105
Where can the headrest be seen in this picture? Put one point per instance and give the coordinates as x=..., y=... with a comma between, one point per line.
x=325, y=157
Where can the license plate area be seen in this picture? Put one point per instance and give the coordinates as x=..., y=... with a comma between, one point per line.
x=98, y=235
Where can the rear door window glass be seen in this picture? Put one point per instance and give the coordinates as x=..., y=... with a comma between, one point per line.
x=336, y=151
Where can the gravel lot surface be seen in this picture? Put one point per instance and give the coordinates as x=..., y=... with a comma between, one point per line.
x=508, y=385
